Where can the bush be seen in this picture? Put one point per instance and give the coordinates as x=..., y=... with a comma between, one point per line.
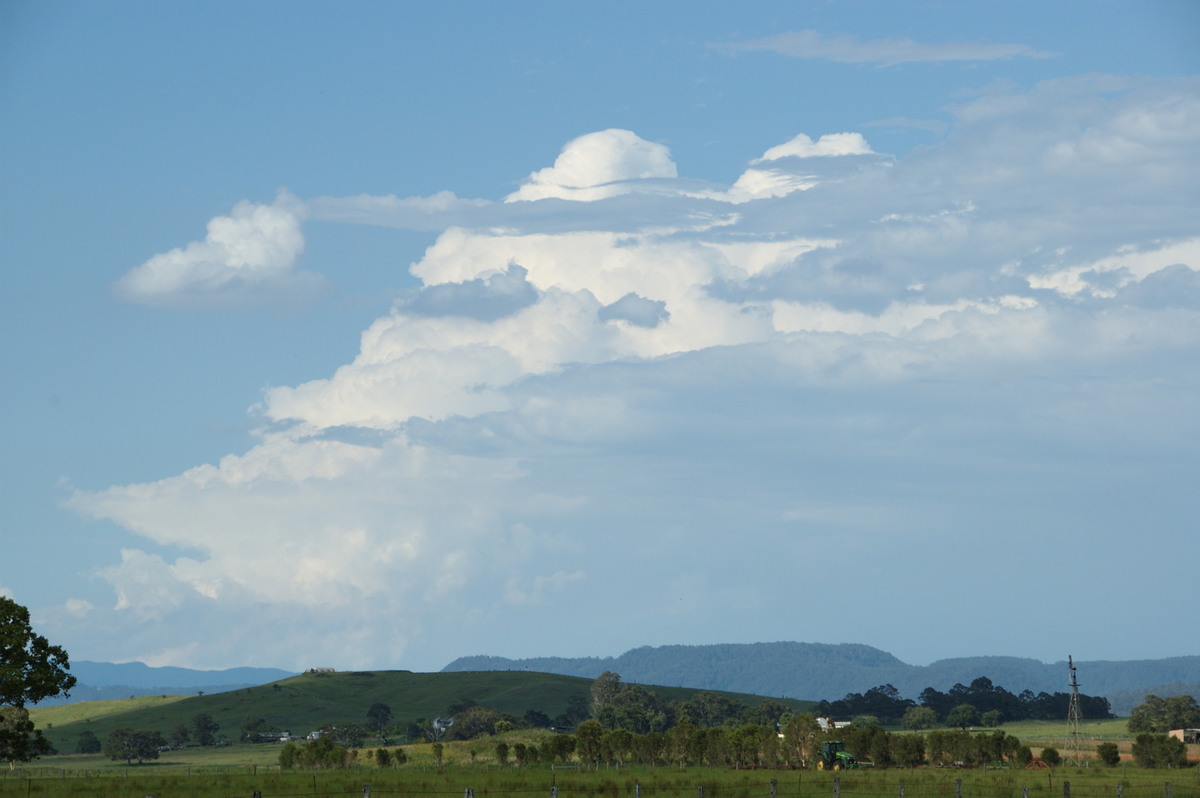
x=1109, y=754
x=1159, y=751
x=320, y=753
x=1051, y=757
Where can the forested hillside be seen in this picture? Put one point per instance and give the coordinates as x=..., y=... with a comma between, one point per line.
x=817, y=671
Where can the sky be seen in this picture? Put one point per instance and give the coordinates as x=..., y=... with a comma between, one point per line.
x=373, y=334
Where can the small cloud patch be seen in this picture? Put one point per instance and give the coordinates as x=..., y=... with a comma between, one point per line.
x=636, y=310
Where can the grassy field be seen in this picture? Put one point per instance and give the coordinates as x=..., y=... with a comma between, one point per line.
x=489, y=781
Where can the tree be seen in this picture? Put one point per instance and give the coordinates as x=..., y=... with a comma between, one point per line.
x=473, y=723
x=1109, y=754
x=992, y=718
x=800, y=735
x=1051, y=757
x=962, y=716
x=559, y=747
x=349, y=736
x=637, y=709
x=918, y=718
x=19, y=740
x=1161, y=715
x=707, y=708
x=587, y=741
x=88, y=743
x=206, y=729
x=378, y=717
x=502, y=752
x=768, y=712
x=179, y=736
x=127, y=744
x=537, y=719
x=30, y=669
x=604, y=689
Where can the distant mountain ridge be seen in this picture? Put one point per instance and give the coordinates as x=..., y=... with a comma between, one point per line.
x=104, y=680
x=815, y=671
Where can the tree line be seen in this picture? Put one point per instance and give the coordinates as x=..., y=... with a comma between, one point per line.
x=979, y=703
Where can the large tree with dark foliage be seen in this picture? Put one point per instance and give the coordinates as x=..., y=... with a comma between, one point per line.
x=30, y=669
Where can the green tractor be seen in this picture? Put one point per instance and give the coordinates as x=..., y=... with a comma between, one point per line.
x=833, y=756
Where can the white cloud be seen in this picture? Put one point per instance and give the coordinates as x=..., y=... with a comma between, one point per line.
x=1105, y=277
x=942, y=340
x=247, y=257
x=79, y=607
x=598, y=165
x=829, y=145
x=885, y=52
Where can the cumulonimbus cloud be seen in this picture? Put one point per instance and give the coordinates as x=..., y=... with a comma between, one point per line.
x=569, y=403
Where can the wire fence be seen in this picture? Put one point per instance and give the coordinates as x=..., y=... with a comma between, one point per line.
x=316, y=784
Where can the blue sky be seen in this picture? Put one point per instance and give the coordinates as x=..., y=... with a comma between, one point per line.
x=378, y=334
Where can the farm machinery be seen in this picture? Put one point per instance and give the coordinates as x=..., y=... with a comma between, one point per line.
x=833, y=756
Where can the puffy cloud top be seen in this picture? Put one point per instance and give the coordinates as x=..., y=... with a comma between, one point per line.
x=831, y=144
x=247, y=257
x=592, y=166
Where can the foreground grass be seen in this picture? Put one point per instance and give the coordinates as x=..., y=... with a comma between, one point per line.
x=538, y=782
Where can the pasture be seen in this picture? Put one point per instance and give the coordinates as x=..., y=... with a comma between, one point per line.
x=174, y=780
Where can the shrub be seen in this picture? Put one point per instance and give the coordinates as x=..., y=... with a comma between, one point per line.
x=1109, y=754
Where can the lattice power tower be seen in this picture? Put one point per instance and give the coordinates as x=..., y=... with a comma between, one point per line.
x=1076, y=742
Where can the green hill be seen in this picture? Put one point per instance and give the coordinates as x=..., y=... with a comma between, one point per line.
x=314, y=700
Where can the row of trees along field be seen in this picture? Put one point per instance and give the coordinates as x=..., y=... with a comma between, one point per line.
x=979, y=704
x=747, y=746
x=629, y=724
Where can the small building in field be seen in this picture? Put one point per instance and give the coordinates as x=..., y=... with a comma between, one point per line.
x=1189, y=736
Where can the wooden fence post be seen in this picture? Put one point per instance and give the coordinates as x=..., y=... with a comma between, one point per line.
x=1166, y=789
x=774, y=788
x=837, y=787
x=958, y=788
x=1066, y=789
x=901, y=788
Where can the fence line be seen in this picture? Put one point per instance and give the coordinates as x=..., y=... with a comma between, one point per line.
x=846, y=785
